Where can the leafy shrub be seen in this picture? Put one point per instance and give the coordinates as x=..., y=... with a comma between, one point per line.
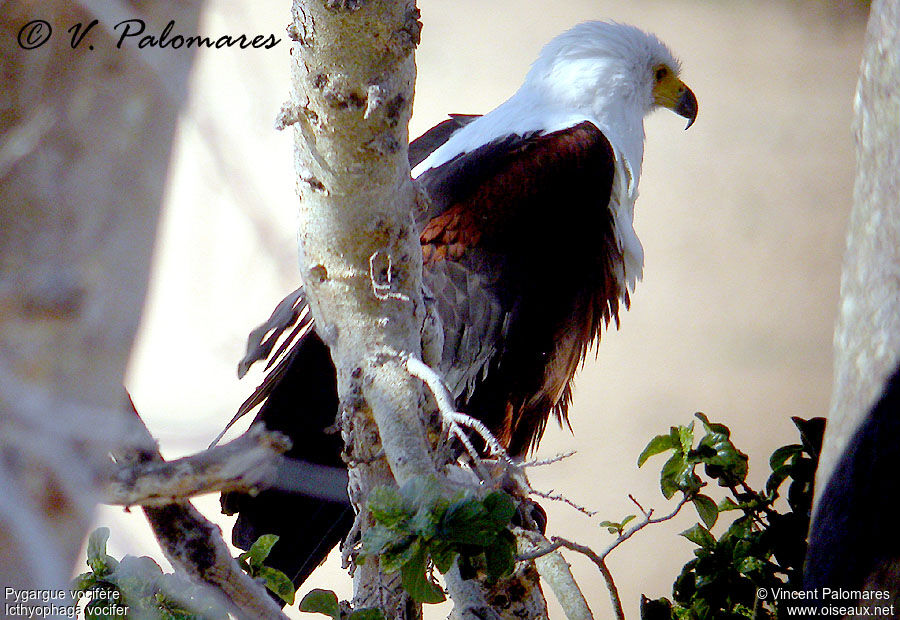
x=762, y=547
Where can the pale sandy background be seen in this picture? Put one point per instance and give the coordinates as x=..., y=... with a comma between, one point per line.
x=742, y=219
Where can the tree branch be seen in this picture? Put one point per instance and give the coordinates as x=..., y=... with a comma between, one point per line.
x=544, y=548
x=240, y=465
x=648, y=520
x=194, y=544
x=555, y=571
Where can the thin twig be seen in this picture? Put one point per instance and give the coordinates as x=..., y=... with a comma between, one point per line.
x=641, y=508
x=613, y=591
x=648, y=519
x=561, y=498
x=599, y=559
x=625, y=535
x=548, y=461
x=542, y=551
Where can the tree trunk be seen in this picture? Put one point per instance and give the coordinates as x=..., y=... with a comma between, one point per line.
x=853, y=542
x=867, y=335
x=353, y=72
x=85, y=137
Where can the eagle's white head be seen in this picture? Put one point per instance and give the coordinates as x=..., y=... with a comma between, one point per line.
x=610, y=71
x=612, y=74
x=606, y=73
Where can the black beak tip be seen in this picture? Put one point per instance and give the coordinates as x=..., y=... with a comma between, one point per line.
x=687, y=106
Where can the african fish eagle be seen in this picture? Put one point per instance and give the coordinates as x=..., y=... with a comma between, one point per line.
x=528, y=249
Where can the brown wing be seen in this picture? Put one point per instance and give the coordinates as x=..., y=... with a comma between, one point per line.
x=526, y=218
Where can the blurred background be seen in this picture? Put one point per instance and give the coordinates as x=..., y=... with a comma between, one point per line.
x=742, y=219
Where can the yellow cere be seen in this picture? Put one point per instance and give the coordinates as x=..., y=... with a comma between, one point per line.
x=667, y=88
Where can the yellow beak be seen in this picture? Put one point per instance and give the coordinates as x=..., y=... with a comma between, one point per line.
x=672, y=93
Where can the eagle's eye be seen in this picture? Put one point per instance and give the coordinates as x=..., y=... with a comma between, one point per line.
x=661, y=73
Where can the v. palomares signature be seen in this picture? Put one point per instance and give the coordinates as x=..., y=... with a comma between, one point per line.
x=133, y=32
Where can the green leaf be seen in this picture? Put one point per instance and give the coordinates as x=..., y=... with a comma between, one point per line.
x=377, y=539
x=614, y=527
x=500, y=508
x=96, y=546
x=136, y=577
x=611, y=526
x=678, y=475
x=779, y=475
x=657, y=445
x=415, y=580
x=389, y=507
x=750, y=564
x=782, y=454
x=501, y=556
x=739, y=529
x=278, y=582
x=369, y=613
x=706, y=509
x=424, y=523
x=700, y=536
x=712, y=427
x=321, y=602
x=467, y=522
x=443, y=555
x=101, y=563
x=728, y=504
x=659, y=609
x=83, y=581
x=260, y=550
x=463, y=510
x=396, y=556
x=669, y=475
x=686, y=437
x=422, y=491
x=723, y=460
x=811, y=434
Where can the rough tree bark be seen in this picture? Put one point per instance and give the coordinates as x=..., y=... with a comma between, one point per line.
x=867, y=335
x=85, y=136
x=353, y=73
